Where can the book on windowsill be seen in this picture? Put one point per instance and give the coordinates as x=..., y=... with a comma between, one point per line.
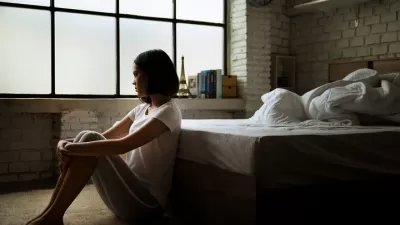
x=209, y=83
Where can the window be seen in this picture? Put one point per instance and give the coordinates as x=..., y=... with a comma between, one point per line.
x=73, y=48
x=85, y=57
x=25, y=51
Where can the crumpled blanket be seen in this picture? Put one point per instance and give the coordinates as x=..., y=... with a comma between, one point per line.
x=340, y=103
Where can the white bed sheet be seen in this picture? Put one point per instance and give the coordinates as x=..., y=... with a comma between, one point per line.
x=230, y=143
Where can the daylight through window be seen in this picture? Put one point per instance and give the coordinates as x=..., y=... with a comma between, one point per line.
x=72, y=48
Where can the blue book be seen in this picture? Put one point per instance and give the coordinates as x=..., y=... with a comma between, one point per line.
x=205, y=83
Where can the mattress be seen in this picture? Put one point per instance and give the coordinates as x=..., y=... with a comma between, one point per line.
x=232, y=144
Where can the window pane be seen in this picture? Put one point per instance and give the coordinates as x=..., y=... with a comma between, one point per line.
x=30, y=2
x=136, y=37
x=91, y=5
x=25, y=55
x=202, y=47
x=85, y=54
x=152, y=8
x=201, y=10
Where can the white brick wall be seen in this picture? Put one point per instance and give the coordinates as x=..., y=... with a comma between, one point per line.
x=258, y=57
x=238, y=43
x=280, y=28
x=394, y=48
x=27, y=143
x=28, y=176
x=256, y=32
x=19, y=167
x=3, y=168
x=376, y=37
x=8, y=178
x=8, y=156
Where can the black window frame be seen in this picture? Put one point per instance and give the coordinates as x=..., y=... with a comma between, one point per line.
x=118, y=16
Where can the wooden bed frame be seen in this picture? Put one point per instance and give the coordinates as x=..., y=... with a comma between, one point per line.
x=339, y=69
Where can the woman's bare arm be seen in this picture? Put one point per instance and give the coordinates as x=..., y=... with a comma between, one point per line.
x=120, y=130
x=145, y=134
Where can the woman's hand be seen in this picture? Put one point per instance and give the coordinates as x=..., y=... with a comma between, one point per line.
x=63, y=159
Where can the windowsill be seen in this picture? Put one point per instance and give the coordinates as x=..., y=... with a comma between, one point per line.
x=235, y=104
x=44, y=105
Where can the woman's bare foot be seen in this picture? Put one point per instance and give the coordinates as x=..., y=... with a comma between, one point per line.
x=53, y=196
x=37, y=217
x=43, y=221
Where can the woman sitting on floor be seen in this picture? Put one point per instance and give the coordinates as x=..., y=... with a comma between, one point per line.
x=134, y=190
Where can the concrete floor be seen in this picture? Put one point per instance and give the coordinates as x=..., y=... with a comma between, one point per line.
x=88, y=209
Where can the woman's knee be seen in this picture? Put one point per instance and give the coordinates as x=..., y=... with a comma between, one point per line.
x=88, y=136
x=80, y=134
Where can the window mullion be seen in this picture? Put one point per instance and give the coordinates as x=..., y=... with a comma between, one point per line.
x=53, y=50
x=225, y=60
x=118, y=92
x=174, y=32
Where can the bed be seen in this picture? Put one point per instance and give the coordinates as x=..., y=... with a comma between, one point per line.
x=242, y=172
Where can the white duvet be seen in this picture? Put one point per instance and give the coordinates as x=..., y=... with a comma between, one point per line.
x=340, y=103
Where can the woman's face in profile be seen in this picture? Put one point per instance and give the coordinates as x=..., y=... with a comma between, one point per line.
x=139, y=81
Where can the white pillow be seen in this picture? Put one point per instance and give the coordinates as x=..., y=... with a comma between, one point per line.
x=280, y=107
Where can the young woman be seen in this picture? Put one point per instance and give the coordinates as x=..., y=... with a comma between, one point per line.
x=134, y=190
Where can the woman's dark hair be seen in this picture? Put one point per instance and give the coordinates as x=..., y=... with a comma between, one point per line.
x=160, y=72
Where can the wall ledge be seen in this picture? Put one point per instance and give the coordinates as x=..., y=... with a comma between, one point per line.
x=45, y=105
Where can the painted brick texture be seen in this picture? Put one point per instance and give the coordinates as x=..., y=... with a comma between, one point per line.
x=256, y=33
x=28, y=140
x=377, y=36
x=238, y=43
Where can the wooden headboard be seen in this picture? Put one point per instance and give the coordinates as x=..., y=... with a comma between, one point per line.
x=339, y=69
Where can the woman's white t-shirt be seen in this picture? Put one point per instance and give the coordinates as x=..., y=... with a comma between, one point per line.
x=153, y=162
